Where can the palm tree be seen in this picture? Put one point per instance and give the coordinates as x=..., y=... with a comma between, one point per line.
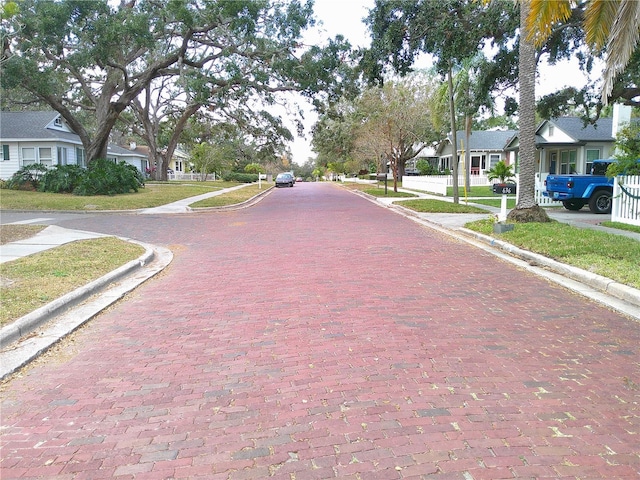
x=526, y=208
x=500, y=171
x=610, y=24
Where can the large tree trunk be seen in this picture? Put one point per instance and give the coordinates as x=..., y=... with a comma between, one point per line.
x=454, y=154
x=97, y=148
x=526, y=209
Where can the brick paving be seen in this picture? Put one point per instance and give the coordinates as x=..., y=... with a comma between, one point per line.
x=316, y=335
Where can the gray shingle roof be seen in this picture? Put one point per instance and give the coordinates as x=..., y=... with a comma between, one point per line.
x=486, y=140
x=32, y=125
x=121, y=151
x=576, y=129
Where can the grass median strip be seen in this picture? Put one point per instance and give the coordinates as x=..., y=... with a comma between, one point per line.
x=31, y=282
x=612, y=256
x=233, y=197
x=439, y=206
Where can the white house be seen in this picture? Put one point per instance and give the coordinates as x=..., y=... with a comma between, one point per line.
x=566, y=145
x=44, y=137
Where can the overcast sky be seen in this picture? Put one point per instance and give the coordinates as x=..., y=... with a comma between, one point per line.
x=345, y=17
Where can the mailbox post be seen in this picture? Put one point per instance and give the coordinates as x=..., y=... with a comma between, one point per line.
x=380, y=177
x=504, y=189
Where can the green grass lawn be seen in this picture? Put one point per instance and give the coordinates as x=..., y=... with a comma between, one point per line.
x=31, y=282
x=152, y=195
x=606, y=254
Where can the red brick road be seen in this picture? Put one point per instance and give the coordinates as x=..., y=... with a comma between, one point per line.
x=316, y=335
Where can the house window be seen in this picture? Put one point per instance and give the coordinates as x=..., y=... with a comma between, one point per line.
x=45, y=157
x=568, y=162
x=493, y=159
x=178, y=166
x=81, y=158
x=58, y=122
x=4, y=154
x=592, y=154
x=28, y=156
x=62, y=156
x=552, y=130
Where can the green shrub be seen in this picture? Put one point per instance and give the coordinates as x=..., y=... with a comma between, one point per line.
x=62, y=179
x=627, y=152
x=27, y=177
x=105, y=177
x=240, y=177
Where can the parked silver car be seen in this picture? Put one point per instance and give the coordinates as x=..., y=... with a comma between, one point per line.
x=284, y=180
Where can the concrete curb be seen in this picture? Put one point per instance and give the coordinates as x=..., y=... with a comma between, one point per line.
x=606, y=285
x=34, y=333
x=29, y=322
x=624, y=298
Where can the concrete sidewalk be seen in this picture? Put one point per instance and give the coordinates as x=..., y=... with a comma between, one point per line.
x=51, y=237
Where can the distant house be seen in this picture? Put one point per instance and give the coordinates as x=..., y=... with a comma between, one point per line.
x=180, y=162
x=485, y=147
x=44, y=137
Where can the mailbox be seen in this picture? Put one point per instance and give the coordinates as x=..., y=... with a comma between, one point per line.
x=504, y=188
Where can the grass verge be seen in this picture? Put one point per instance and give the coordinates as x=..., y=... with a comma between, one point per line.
x=475, y=191
x=439, y=206
x=612, y=256
x=377, y=190
x=31, y=282
x=494, y=202
x=621, y=226
x=152, y=195
x=15, y=233
x=233, y=197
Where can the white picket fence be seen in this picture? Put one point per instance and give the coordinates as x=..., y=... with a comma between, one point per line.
x=625, y=206
x=193, y=177
x=438, y=184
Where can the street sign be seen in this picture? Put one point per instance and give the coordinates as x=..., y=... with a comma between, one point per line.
x=504, y=188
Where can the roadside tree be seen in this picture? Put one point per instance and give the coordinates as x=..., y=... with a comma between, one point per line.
x=453, y=31
x=395, y=122
x=164, y=62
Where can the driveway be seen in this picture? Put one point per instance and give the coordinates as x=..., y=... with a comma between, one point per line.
x=316, y=335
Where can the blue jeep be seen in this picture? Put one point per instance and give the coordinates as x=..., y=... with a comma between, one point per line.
x=576, y=191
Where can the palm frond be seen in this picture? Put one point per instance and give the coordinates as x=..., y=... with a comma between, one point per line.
x=543, y=16
x=623, y=40
x=599, y=18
